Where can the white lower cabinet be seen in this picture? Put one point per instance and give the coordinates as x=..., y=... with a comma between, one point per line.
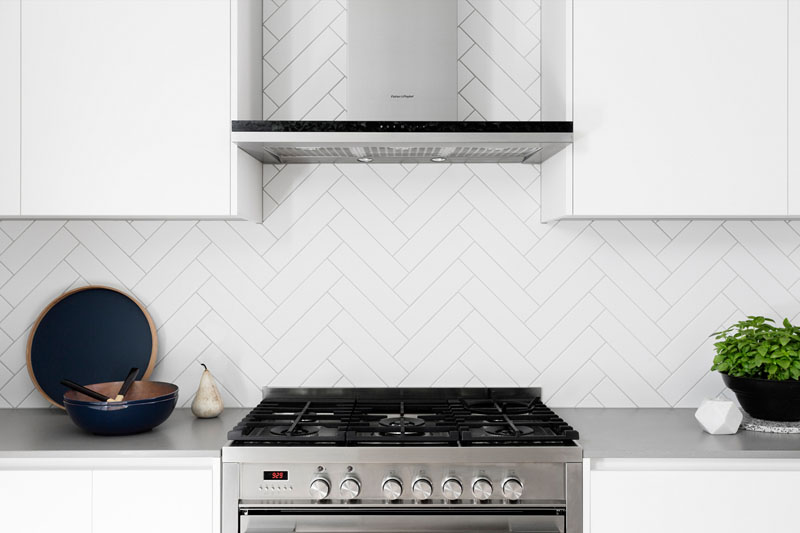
x=176, y=495
x=44, y=501
x=692, y=496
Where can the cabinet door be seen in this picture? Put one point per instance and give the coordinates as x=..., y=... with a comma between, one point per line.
x=693, y=501
x=44, y=501
x=794, y=107
x=156, y=501
x=680, y=108
x=126, y=108
x=9, y=106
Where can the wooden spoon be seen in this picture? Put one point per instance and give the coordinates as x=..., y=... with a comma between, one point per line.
x=125, y=386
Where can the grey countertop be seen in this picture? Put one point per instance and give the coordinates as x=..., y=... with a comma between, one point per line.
x=50, y=433
x=668, y=433
x=605, y=433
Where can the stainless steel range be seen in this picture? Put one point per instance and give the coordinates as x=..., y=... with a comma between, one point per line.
x=402, y=460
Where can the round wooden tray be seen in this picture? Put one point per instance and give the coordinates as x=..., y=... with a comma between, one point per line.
x=91, y=334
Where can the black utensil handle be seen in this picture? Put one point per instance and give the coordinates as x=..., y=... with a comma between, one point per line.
x=88, y=392
x=126, y=385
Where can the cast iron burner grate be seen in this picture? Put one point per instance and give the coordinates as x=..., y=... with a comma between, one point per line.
x=402, y=417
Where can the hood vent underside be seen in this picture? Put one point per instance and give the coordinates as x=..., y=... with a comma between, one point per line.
x=286, y=142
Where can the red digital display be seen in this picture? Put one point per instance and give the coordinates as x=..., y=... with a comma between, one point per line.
x=276, y=475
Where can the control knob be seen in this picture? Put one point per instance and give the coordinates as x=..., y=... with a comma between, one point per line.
x=319, y=488
x=350, y=488
x=452, y=489
x=512, y=489
x=422, y=489
x=482, y=489
x=392, y=489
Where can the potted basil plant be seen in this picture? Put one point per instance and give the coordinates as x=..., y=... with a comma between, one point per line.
x=760, y=363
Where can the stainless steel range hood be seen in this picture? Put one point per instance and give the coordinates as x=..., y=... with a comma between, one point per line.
x=402, y=101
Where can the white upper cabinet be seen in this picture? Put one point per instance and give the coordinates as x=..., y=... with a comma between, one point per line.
x=126, y=110
x=794, y=108
x=679, y=110
x=9, y=107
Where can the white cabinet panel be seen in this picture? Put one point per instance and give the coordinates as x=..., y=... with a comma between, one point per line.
x=693, y=501
x=156, y=501
x=44, y=501
x=9, y=106
x=126, y=108
x=794, y=107
x=680, y=108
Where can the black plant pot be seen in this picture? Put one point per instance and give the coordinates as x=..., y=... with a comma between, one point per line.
x=767, y=399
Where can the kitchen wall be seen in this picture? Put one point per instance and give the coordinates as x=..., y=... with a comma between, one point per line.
x=429, y=275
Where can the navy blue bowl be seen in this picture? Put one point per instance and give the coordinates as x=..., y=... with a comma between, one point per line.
x=120, y=418
x=139, y=392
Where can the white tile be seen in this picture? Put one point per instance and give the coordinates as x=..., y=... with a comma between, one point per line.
x=239, y=285
x=305, y=19
x=325, y=375
x=550, y=347
x=172, y=264
x=432, y=233
x=417, y=180
x=368, y=215
x=506, y=188
x=14, y=228
x=432, y=199
x=309, y=358
x=696, y=265
x=302, y=266
x=122, y=233
x=298, y=336
x=499, y=215
x=367, y=248
x=761, y=280
x=630, y=313
x=579, y=385
x=555, y=274
x=256, y=235
x=458, y=376
x=686, y=239
x=431, y=268
x=286, y=180
x=41, y=263
x=634, y=252
x=433, y=299
x=496, y=313
x=302, y=199
x=15, y=356
x=238, y=251
x=499, y=349
x=628, y=345
x=236, y=315
x=476, y=361
x=372, y=353
x=302, y=232
x=173, y=364
x=440, y=359
x=106, y=251
x=630, y=282
x=300, y=301
x=780, y=233
x=552, y=310
x=628, y=379
x=495, y=244
x=368, y=316
x=506, y=18
x=245, y=387
x=610, y=395
x=422, y=344
x=180, y=323
x=500, y=84
x=236, y=349
x=309, y=94
x=575, y=356
x=764, y=251
x=90, y=269
x=350, y=365
x=368, y=281
x=28, y=243
x=697, y=298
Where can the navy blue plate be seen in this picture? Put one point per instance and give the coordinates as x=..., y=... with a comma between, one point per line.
x=90, y=335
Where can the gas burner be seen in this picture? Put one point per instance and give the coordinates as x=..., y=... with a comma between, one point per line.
x=399, y=425
x=490, y=407
x=508, y=431
x=299, y=431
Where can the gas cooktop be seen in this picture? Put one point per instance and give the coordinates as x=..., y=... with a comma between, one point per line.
x=403, y=417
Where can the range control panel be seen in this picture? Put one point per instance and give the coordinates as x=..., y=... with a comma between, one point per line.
x=402, y=483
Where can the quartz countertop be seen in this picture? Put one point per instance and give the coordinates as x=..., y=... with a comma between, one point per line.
x=50, y=433
x=604, y=433
x=669, y=434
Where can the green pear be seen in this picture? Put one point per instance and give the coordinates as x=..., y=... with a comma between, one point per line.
x=207, y=401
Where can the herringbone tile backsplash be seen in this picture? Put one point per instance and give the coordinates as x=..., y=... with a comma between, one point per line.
x=429, y=275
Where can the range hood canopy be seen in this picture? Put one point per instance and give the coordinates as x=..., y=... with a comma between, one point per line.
x=288, y=142
x=402, y=101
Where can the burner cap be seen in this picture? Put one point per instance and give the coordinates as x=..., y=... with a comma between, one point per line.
x=399, y=424
x=507, y=431
x=488, y=407
x=299, y=431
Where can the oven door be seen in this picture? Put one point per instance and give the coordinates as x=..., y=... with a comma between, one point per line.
x=310, y=520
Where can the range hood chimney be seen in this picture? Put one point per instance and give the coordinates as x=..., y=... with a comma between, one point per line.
x=402, y=101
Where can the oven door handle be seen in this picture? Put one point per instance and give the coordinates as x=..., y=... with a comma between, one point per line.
x=401, y=523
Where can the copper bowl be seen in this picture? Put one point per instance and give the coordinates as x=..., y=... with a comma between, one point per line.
x=140, y=391
x=147, y=404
